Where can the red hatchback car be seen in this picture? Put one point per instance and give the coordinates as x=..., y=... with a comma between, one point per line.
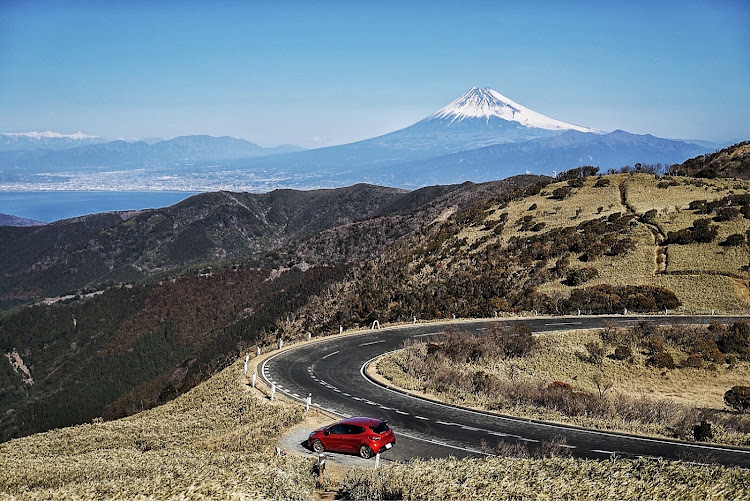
x=359, y=435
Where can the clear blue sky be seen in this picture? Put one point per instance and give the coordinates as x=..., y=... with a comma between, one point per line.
x=320, y=73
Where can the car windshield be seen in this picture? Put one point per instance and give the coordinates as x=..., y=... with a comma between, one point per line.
x=380, y=428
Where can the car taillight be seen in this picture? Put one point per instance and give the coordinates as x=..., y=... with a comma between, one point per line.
x=376, y=438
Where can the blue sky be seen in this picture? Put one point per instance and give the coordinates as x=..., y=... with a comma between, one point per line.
x=321, y=73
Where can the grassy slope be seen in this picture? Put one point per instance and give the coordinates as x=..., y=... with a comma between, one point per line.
x=554, y=478
x=702, y=275
x=214, y=442
x=561, y=356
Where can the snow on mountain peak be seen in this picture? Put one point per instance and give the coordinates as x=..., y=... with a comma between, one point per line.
x=483, y=102
x=49, y=135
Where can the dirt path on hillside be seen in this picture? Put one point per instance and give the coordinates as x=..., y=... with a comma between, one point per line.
x=661, y=258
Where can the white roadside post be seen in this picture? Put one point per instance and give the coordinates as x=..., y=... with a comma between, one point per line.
x=626, y=311
x=281, y=343
x=309, y=402
x=713, y=312
x=309, y=336
x=273, y=390
x=254, y=377
x=341, y=329
x=377, y=460
x=415, y=320
x=257, y=352
x=247, y=359
x=579, y=312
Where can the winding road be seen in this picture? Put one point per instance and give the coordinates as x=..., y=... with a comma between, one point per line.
x=333, y=370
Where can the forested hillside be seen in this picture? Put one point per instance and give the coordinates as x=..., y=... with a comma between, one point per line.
x=118, y=349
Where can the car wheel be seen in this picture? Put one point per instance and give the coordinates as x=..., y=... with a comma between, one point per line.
x=318, y=446
x=365, y=452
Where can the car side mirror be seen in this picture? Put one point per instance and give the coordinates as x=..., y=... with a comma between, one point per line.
x=327, y=432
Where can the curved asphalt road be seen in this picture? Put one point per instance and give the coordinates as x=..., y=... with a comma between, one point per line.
x=332, y=369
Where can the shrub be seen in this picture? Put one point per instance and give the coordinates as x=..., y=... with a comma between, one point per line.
x=734, y=240
x=622, y=352
x=560, y=193
x=595, y=351
x=662, y=360
x=738, y=398
x=532, y=207
x=602, y=182
x=726, y=214
x=702, y=432
x=736, y=339
x=694, y=360
x=580, y=275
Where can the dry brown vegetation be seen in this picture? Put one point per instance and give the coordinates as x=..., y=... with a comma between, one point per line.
x=214, y=442
x=551, y=478
x=662, y=382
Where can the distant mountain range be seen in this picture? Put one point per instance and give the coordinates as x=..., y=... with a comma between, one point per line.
x=480, y=136
x=17, y=141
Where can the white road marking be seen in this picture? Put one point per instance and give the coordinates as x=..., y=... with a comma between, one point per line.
x=423, y=418
x=430, y=334
x=373, y=342
x=446, y=423
x=603, y=452
x=330, y=355
x=527, y=439
x=565, y=323
x=402, y=412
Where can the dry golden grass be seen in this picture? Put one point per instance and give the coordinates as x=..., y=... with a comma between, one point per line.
x=711, y=269
x=214, y=442
x=560, y=356
x=643, y=195
x=553, y=478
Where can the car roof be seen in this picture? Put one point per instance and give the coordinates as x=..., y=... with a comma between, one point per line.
x=362, y=421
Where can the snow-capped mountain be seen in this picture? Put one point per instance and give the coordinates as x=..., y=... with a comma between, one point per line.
x=48, y=140
x=485, y=103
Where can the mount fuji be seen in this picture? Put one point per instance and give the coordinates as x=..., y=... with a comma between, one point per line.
x=480, y=136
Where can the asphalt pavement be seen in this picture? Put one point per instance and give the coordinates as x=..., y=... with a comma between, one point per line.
x=332, y=369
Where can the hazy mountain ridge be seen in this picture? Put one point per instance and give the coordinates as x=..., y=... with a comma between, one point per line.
x=9, y=220
x=519, y=139
x=559, y=153
x=14, y=141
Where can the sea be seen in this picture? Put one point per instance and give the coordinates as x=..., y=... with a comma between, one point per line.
x=49, y=206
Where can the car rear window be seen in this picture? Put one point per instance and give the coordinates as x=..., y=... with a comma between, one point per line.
x=380, y=428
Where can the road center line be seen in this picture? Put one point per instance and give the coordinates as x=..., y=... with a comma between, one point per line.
x=330, y=355
x=373, y=342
